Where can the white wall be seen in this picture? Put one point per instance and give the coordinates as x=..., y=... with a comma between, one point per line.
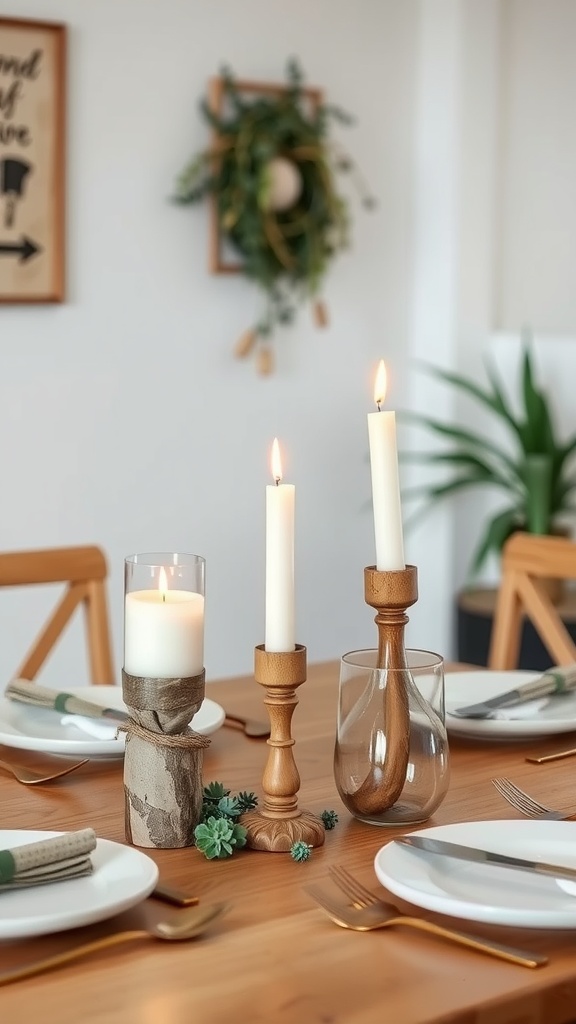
x=518, y=216
x=125, y=420
x=537, y=236
x=495, y=223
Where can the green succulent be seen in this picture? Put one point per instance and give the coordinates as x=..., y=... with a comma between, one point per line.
x=301, y=851
x=534, y=469
x=330, y=819
x=219, y=837
x=214, y=791
x=247, y=801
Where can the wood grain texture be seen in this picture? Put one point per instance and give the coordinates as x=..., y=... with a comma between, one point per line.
x=275, y=958
x=529, y=562
x=84, y=572
x=279, y=821
x=391, y=593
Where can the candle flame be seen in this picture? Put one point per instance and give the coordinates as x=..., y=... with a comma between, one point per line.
x=276, y=461
x=162, y=582
x=380, y=384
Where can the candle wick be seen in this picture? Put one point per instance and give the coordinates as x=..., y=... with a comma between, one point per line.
x=163, y=597
x=277, y=480
x=378, y=405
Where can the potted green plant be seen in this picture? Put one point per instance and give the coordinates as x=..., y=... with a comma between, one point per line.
x=534, y=469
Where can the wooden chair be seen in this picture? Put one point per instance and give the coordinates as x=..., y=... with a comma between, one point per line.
x=528, y=561
x=84, y=570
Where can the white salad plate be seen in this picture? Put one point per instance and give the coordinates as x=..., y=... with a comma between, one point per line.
x=487, y=892
x=30, y=728
x=121, y=878
x=539, y=718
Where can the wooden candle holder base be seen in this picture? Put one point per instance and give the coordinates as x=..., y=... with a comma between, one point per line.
x=390, y=593
x=280, y=822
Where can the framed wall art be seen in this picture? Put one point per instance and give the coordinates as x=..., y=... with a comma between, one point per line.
x=32, y=160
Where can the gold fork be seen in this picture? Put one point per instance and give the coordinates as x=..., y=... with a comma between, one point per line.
x=526, y=804
x=368, y=913
x=31, y=777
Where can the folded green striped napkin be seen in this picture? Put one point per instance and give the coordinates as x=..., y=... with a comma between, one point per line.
x=48, y=860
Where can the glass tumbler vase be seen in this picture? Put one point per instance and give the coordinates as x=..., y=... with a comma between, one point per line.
x=164, y=614
x=361, y=767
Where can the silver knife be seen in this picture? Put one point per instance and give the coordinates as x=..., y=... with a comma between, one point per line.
x=471, y=853
x=25, y=692
x=554, y=681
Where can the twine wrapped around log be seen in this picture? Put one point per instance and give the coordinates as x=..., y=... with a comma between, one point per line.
x=163, y=760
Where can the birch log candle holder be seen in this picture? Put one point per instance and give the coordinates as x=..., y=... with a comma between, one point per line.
x=163, y=760
x=280, y=822
x=163, y=688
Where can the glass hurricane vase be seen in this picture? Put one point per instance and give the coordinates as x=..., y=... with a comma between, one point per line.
x=420, y=765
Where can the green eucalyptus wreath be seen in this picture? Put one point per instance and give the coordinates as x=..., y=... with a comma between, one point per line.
x=285, y=251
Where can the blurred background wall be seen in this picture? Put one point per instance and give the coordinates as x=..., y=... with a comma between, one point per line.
x=125, y=419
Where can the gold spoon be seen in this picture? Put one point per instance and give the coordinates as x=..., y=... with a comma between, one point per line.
x=30, y=777
x=250, y=726
x=186, y=924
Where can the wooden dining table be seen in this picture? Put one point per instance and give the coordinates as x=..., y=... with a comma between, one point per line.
x=275, y=956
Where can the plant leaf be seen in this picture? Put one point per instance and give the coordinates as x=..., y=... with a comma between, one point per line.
x=498, y=529
x=464, y=459
x=459, y=434
x=494, y=401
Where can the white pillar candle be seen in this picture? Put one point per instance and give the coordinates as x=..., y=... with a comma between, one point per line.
x=280, y=619
x=385, y=481
x=163, y=632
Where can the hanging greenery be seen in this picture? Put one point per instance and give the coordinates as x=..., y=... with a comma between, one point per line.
x=271, y=169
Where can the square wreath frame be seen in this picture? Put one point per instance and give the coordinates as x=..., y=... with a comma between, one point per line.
x=217, y=262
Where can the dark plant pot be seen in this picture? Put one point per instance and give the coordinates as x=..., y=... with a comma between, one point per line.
x=474, y=619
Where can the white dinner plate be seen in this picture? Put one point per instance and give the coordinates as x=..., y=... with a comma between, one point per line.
x=121, y=878
x=486, y=892
x=462, y=688
x=30, y=728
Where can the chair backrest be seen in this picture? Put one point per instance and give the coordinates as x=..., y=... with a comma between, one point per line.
x=528, y=560
x=84, y=570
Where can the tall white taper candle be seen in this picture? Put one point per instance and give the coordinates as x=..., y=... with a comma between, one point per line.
x=280, y=618
x=385, y=481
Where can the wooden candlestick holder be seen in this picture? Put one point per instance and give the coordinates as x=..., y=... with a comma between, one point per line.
x=391, y=592
x=280, y=822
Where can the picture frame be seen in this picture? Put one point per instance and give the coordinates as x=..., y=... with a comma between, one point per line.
x=219, y=260
x=32, y=160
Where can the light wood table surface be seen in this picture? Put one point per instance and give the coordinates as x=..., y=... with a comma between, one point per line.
x=275, y=957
